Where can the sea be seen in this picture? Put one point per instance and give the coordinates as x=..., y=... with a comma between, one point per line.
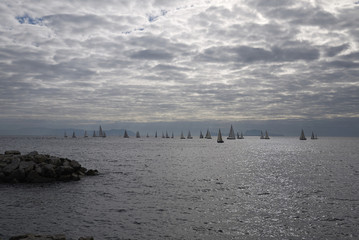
x=155, y=188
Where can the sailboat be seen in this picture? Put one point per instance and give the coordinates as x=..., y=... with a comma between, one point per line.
x=189, y=136
x=262, y=137
x=231, y=135
x=182, y=137
x=65, y=135
x=208, y=134
x=156, y=134
x=167, y=135
x=73, y=134
x=266, y=135
x=147, y=135
x=219, y=138
x=94, y=134
x=85, y=134
x=138, y=134
x=241, y=137
x=200, y=134
x=314, y=137
x=302, y=136
x=100, y=133
x=125, y=135
x=172, y=135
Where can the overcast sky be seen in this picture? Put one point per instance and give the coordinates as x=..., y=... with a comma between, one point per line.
x=204, y=60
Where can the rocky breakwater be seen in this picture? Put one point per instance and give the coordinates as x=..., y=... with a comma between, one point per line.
x=39, y=168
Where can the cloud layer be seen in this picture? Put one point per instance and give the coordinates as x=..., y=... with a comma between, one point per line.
x=157, y=60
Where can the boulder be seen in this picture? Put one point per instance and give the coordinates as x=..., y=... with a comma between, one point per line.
x=91, y=172
x=39, y=158
x=14, y=164
x=31, y=154
x=48, y=170
x=64, y=170
x=39, y=168
x=75, y=164
x=55, y=161
x=27, y=165
x=12, y=152
x=39, y=237
x=34, y=177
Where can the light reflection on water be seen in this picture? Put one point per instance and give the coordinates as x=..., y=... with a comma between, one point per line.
x=191, y=189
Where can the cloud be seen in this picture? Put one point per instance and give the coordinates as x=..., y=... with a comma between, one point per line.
x=177, y=60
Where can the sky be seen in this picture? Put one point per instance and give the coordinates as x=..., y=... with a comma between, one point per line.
x=83, y=63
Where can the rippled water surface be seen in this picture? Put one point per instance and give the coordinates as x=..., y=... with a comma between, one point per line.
x=149, y=188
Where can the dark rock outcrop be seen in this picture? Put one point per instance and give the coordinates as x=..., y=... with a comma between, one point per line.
x=45, y=237
x=39, y=168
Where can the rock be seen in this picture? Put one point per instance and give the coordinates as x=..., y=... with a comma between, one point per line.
x=39, y=168
x=34, y=177
x=64, y=170
x=75, y=165
x=55, y=161
x=65, y=178
x=91, y=172
x=39, y=158
x=14, y=164
x=18, y=175
x=48, y=170
x=12, y=152
x=39, y=237
x=75, y=177
x=33, y=153
x=27, y=166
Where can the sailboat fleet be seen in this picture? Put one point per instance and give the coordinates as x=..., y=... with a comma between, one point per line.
x=231, y=136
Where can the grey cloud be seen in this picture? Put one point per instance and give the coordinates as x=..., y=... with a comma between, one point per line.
x=150, y=54
x=333, y=51
x=249, y=54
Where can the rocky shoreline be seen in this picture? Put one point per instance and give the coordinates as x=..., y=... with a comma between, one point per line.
x=45, y=237
x=39, y=168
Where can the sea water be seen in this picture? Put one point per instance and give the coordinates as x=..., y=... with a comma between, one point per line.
x=154, y=188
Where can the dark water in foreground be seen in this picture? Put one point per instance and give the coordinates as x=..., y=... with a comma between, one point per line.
x=281, y=188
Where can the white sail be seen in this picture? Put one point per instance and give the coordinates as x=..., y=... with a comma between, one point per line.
x=208, y=134
x=219, y=137
x=231, y=135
